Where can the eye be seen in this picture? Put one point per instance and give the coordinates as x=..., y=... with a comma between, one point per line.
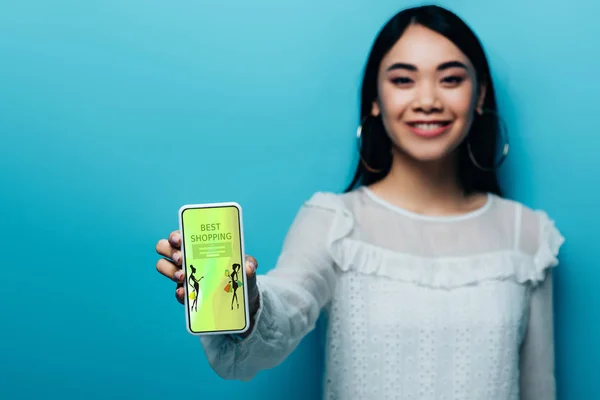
x=453, y=80
x=401, y=80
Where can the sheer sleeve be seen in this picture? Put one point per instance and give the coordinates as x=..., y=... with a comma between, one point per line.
x=291, y=297
x=537, y=380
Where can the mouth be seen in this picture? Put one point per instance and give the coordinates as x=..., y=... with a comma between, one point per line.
x=429, y=128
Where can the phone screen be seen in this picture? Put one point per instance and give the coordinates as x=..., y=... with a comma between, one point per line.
x=214, y=269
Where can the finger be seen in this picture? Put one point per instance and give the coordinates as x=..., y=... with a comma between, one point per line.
x=180, y=293
x=251, y=266
x=170, y=270
x=175, y=239
x=164, y=248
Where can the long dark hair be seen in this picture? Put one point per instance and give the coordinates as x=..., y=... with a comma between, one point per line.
x=376, y=144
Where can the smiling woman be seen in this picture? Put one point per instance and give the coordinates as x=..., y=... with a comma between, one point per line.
x=436, y=286
x=434, y=83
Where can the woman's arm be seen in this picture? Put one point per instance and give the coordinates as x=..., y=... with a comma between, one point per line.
x=537, y=349
x=291, y=297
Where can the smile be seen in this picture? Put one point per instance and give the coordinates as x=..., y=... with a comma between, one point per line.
x=429, y=129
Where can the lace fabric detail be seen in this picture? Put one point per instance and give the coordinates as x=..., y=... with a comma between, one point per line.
x=439, y=272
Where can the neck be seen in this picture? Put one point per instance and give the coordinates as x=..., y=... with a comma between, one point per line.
x=423, y=187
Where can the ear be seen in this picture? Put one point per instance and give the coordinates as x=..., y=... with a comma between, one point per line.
x=481, y=98
x=375, y=110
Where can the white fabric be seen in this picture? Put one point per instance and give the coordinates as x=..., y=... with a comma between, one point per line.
x=418, y=307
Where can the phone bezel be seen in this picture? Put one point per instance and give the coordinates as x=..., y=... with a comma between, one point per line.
x=236, y=205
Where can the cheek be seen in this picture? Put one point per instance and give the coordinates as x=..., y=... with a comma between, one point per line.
x=394, y=102
x=459, y=101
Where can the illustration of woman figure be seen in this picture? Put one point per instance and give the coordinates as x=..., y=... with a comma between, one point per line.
x=234, y=284
x=195, y=283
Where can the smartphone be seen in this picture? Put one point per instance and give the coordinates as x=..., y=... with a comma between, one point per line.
x=212, y=248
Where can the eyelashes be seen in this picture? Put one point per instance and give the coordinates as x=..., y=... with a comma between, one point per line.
x=401, y=81
x=451, y=81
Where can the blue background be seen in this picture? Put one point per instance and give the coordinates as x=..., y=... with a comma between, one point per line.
x=114, y=114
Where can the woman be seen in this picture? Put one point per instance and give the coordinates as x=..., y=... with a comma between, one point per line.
x=234, y=284
x=435, y=286
x=195, y=284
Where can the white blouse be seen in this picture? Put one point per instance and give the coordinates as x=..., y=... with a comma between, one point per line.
x=418, y=307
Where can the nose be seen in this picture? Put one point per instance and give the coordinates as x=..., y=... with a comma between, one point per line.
x=426, y=99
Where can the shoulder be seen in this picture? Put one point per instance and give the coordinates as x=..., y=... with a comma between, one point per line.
x=320, y=210
x=323, y=220
x=536, y=233
x=331, y=212
x=331, y=201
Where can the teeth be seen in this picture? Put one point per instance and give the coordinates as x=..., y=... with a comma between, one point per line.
x=428, y=126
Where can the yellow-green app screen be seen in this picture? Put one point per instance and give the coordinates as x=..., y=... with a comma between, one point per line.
x=214, y=269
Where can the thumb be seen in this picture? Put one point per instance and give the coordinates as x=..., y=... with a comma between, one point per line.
x=251, y=266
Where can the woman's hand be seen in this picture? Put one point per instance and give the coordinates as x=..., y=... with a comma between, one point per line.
x=170, y=266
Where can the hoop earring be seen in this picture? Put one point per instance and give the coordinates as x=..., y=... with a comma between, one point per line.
x=505, y=148
x=359, y=141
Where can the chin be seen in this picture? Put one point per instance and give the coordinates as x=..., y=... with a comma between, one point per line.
x=427, y=152
x=428, y=157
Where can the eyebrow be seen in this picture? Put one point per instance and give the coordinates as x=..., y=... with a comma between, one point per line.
x=441, y=67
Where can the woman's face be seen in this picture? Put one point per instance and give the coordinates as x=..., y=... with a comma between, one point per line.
x=427, y=95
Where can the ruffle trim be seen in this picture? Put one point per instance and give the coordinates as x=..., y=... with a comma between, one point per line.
x=551, y=240
x=445, y=273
